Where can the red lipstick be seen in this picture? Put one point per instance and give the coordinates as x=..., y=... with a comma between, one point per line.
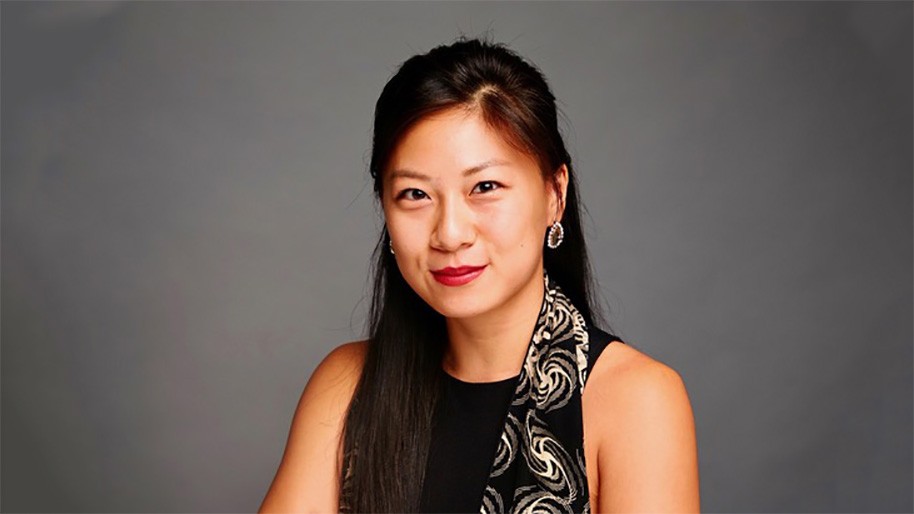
x=457, y=276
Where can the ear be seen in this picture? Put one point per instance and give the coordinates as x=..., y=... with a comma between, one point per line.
x=558, y=191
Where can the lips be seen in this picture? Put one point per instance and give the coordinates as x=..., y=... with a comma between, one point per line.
x=458, y=276
x=453, y=272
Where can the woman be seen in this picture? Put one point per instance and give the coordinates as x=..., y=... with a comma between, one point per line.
x=469, y=393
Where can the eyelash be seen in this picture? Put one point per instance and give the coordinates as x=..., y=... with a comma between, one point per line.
x=406, y=192
x=496, y=184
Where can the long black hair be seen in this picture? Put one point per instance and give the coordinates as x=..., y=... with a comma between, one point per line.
x=388, y=424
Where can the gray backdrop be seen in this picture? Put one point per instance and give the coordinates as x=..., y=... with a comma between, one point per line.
x=187, y=220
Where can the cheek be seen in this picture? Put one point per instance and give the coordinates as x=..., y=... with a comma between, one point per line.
x=410, y=235
x=514, y=226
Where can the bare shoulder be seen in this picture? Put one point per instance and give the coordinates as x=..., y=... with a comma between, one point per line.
x=334, y=380
x=307, y=478
x=622, y=370
x=628, y=388
x=341, y=368
x=638, y=412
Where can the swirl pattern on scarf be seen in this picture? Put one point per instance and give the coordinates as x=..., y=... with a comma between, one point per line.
x=544, y=420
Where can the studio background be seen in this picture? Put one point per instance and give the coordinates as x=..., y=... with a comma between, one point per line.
x=187, y=220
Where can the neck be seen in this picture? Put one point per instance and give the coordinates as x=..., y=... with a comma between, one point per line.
x=493, y=346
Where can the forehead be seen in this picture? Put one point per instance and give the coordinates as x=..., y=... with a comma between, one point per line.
x=454, y=141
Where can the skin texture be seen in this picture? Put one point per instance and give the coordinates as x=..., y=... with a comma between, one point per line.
x=640, y=432
x=638, y=424
x=307, y=478
x=443, y=208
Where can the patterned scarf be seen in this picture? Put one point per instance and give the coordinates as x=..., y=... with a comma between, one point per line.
x=539, y=464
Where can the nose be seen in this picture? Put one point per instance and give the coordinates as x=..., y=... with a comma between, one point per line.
x=454, y=227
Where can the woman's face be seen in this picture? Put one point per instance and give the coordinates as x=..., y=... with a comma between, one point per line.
x=457, y=195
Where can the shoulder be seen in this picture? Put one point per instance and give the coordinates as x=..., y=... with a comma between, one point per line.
x=638, y=412
x=307, y=478
x=333, y=381
x=635, y=388
x=327, y=395
x=623, y=374
x=341, y=367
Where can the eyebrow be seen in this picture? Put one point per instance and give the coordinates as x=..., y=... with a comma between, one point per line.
x=408, y=173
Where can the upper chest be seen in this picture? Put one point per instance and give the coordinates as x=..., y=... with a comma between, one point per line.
x=473, y=432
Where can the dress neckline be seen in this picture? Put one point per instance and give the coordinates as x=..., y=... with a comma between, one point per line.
x=463, y=383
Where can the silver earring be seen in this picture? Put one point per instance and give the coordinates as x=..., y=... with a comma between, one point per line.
x=556, y=234
x=390, y=244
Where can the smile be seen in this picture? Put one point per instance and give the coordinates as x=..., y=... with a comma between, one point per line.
x=458, y=276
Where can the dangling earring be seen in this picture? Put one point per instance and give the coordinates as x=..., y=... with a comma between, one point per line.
x=390, y=244
x=556, y=235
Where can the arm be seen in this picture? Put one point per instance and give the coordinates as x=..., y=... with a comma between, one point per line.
x=647, y=452
x=307, y=478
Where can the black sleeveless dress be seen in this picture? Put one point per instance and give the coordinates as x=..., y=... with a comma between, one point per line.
x=516, y=445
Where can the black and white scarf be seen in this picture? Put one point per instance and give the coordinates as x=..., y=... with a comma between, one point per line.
x=539, y=464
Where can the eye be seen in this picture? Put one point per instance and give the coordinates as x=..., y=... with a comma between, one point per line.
x=411, y=194
x=488, y=185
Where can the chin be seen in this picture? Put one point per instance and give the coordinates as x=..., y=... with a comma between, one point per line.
x=457, y=310
x=455, y=303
